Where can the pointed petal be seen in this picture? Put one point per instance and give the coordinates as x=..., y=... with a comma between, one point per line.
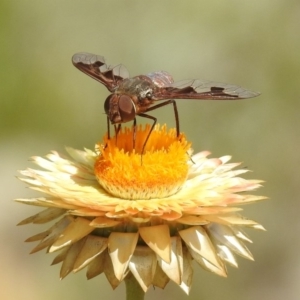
x=121, y=247
x=187, y=271
x=102, y=222
x=53, y=233
x=96, y=266
x=259, y=227
x=109, y=271
x=196, y=238
x=61, y=256
x=172, y=269
x=93, y=246
x=86, y=157
x=192, y=220
x=173, y=215
x=224, y=235
x=240, y=234
x=44, y=216
x=78, y=229
x=205, y=264
x=70, y=259
x=160, y=278
x=84, y=212
x=46, y=202
x=209, y=210
x=226, y=255
x=39, y=236
x=158, y=239
x=142, y=265
x=232, y=220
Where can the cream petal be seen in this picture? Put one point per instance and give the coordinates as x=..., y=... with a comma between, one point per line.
x=227, y=158
x=46, y=202
x=205, y=264
x=102, y=222
x=53, y=233
x=209, y=210
x=158, y=239
x=236, y=220
x=32, y=180
x=93, y=246
x=85, y=212
x=187, y=271
x=121, y=246
x=197, y=239
x=76, y=230
x=44, y=216
x=143, y=265
x=192, y=220
x=96, y=266
x=248, y=199
x=44, y=163
x=86, y=157
x=70, y=258
x=172, y=269
x=224, y=235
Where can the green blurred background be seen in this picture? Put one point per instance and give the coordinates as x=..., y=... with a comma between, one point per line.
x=47, y=104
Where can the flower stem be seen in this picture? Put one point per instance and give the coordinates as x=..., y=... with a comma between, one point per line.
x=133, y=289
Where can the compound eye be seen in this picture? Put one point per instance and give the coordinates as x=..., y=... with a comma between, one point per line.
x=126, y=108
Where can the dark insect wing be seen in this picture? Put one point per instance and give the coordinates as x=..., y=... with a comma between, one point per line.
x=95, y=66
x=204, y=90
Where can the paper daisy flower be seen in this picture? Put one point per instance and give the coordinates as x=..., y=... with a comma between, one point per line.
x=122, y=212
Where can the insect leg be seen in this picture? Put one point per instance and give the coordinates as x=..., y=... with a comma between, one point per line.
x=147, y=138
x=117, y=130
x=171, y=101
x=108, y=128
x=134, y=133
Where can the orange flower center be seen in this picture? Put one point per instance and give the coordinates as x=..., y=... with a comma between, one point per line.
x=158, y=172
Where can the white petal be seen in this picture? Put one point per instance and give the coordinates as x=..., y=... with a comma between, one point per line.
x=197, y=239
x=205, y=264
x=224, y=235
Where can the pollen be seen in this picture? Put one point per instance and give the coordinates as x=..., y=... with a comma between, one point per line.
x=129, y=169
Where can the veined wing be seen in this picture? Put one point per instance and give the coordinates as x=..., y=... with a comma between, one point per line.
x=161, y=78
x=95, y=66
x=204, y=90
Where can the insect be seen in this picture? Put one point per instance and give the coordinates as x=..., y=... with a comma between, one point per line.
x=136, y=96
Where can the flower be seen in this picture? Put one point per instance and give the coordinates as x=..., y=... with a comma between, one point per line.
x=149, y=209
